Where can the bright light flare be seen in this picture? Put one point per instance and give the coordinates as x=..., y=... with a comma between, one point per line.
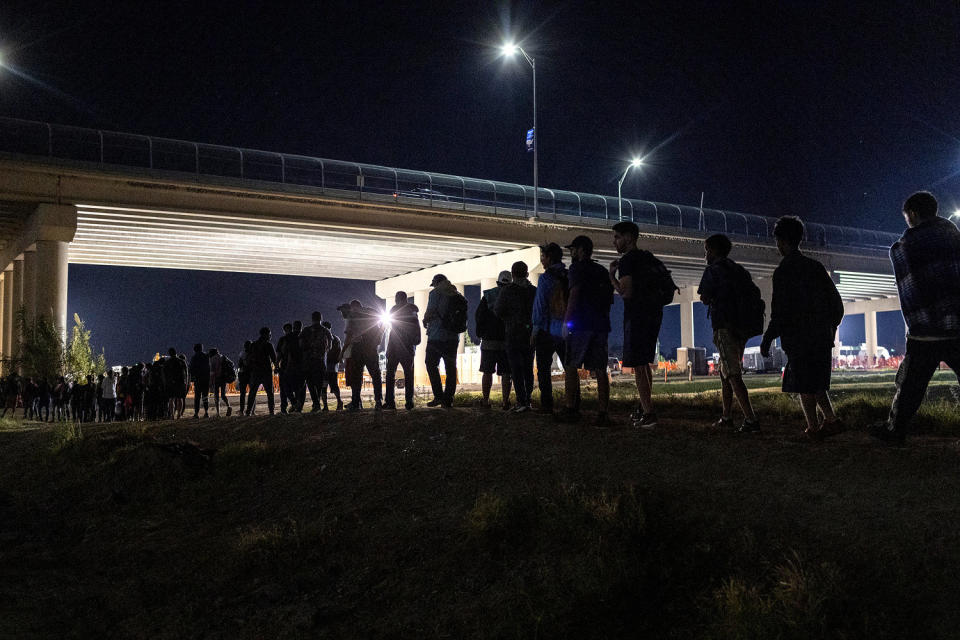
x=385, y=318
x=636, y=162
x=955, y=214
x=509, y=49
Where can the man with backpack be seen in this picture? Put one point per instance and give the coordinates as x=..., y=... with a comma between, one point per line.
x=805, y=312
x=549, y=308
x=646, y=287
x=586, y=327
x=736, y=312
x=331, y=377
x=444, y=319
x=315, y=341
x=493, y=345
x=402, y=339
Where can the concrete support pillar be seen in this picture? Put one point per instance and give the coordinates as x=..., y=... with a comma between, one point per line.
x=52, y=282
x=463, y=336
x=30, y=285
x=686, y=324
x=17, y=303
x=870, y=332
x=8, y=313
x=420, y=356
x=836, y=346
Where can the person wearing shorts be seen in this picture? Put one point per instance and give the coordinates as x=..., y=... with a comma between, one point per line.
x=642, y=317
x=719, y=290
x=586, y=327
x=805, y=312
x=493, y=344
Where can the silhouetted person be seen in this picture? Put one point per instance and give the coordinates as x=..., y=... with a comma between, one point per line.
x=243, y=374
x=175, y=379
x=283, y=349
x=200, y=373
x=805, y=312
x=363, y=334
x=331, y=376
x=514, y=307
x=926, y=263
x=443, y=340
x=631, y=276
x=315, y=340
x=262, y=360
x=493, y=343
x=723, y=289
x=586, y=328
x=218, y=380
x=402, y=339
x=549, y=308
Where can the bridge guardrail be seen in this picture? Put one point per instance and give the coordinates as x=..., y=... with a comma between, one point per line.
x=378, y=183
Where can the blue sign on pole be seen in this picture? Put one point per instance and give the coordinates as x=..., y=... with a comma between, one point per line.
x=530, y=141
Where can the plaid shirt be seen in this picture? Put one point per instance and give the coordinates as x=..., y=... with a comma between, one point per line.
x=926, y=263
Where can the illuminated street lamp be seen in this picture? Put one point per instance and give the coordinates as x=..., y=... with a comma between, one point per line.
x=509, y=49
x=636, y=162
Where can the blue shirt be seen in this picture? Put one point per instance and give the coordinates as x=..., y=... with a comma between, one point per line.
x=543, y=320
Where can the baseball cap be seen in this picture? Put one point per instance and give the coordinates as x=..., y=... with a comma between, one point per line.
x=583, y=242
x=504, y=278
x=437, y=279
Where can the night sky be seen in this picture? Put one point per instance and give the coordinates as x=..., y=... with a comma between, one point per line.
x=831, y=111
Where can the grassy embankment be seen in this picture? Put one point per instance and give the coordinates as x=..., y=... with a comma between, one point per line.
x=458, y=523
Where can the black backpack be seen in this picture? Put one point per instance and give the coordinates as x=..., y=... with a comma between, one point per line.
x=488, y=325
x=751, y=310
x=659, y=283
x=228, y=372
x=455, y=317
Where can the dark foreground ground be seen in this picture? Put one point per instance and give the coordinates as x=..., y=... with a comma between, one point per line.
x=462, y=524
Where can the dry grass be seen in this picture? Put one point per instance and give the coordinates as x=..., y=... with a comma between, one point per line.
x=449, y=524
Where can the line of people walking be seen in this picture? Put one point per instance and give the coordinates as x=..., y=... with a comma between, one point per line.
x=567, y=317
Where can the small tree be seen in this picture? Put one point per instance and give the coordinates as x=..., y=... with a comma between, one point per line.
x=41, y=347
x=80, y=361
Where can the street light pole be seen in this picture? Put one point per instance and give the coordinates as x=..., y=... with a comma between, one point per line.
x=508, y=50
x=636, y=162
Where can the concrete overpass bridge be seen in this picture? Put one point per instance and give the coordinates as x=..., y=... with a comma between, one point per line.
x=82, y=196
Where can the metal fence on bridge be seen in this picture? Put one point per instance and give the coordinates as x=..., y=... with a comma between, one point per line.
x=341, y=179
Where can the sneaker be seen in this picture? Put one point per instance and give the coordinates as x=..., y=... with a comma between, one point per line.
x=409, y=406
x=749, y=426
x=567, y=415
x=521, y=408
x=814, y=435
x=506, y=406
x=229, y=411
x=637, y=414
x=353, y=407
x=725, y=424
x=378, y=406
x=339, y=405
x=436, y=402
x=389, y=407
x=884, y=432
x=646, y=421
